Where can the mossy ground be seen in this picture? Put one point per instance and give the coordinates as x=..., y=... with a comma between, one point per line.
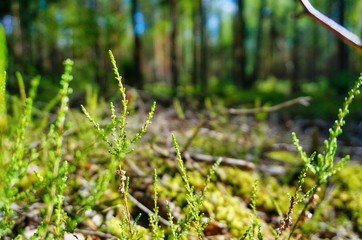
x=227, y=200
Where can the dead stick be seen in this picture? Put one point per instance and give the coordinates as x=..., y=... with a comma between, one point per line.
x=95, y=233
x=300, y=100
x=146, y=210
x=243, y=164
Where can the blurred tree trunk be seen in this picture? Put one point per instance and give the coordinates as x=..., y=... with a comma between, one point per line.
x=195, y=43
x=342, y=47
x=137, y=76
x=173, y=47
x=295, y=53
x=18, y=46
x=259, y=42
x=240, y=78
x=295, y=58
x=203, y=54
x=27, y=15
x=99, y=60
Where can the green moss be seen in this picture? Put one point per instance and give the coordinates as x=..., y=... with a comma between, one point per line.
x=348, y=196
x=282, y=155
x=240, y=181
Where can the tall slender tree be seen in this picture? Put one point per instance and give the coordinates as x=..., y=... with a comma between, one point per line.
x=195, y=43
x=137, y=75
x=240, y=77
x=173, y=48
x=203, y=54
x=295, y=52
x=259, y=42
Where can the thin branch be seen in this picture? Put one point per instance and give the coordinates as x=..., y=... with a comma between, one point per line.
x=95, y=233
x=146, y=210
x=243, y=164
x=300, y=100
x=193, y=136
x=340, y=31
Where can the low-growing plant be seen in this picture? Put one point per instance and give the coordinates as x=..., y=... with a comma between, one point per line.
x=119, y=145
x=53, y=182
x=193, y=218
x=254, y=230
x=321, y=165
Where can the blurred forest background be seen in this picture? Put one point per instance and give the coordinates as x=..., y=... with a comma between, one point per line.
x=198, y=59
x=177, y=48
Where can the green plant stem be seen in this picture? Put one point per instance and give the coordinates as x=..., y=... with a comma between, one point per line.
x=303, y=212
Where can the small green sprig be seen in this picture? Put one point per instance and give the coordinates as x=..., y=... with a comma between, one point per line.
x=3, y=66
x=55, y=178
x=194, y=216
x=254, y=230
x=157, y=232
x=14, y=171
x=119, y=145
x=3, y=108
x=322, y=166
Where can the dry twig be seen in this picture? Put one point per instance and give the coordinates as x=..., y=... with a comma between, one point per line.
x=243, y=164
x=95, y=233
x=300, y=100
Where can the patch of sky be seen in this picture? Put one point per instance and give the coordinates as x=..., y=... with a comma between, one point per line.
x=91, y=4
x=213, y=25
x=42, y=4
x=8, y=23
x=140, y=24
x=226, y=6
x=216, y=9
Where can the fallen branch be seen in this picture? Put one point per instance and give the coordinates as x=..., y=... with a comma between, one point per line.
x=340, y=31
x=146, y=210
x=243, y=164
x=95, y=233
x=300, y=100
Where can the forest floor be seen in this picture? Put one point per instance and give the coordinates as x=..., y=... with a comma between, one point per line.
x=252, y=147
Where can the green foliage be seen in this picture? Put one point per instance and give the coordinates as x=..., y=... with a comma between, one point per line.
x=193, y=217
x=157, y=232
x=321, y=165
x=53, y=182
x=349, y=204
x=3, y=112
x=254, y=230
x=119, y=145
x=325, y=166
x=3, y=66
x=13, y=171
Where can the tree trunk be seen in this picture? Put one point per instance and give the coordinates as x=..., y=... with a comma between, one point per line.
x=259, y=42
x=173, y=50
x=99, y=60
x=195, y=45
x=295, y=54
x=203, y=55
x=137, y=76
x=240, y=78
